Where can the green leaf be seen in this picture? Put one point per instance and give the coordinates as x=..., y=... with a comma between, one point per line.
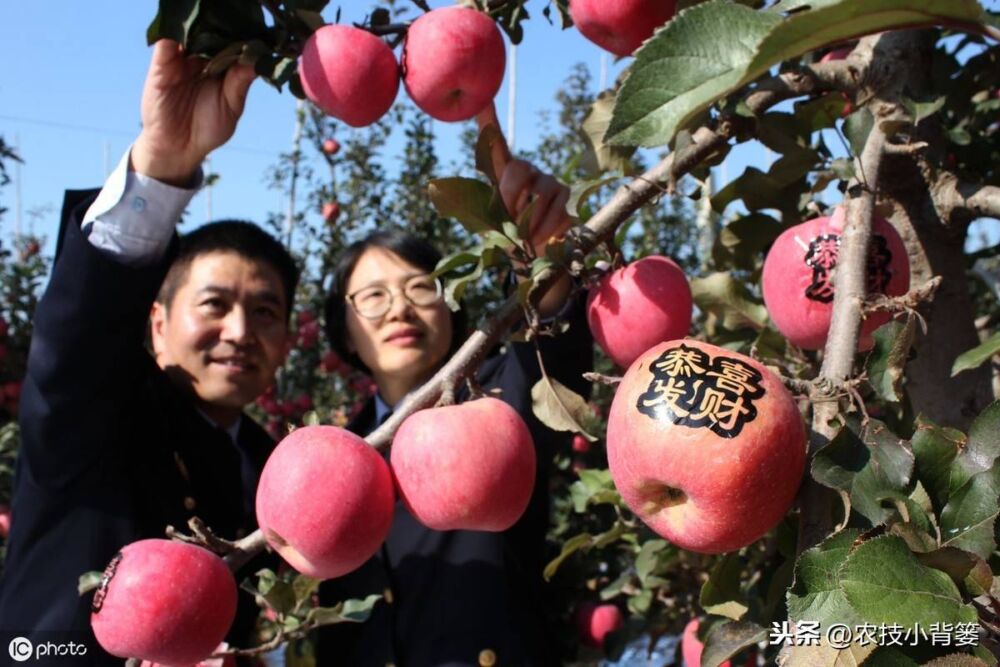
x=173, y=20
x=935, y=449
x=594, y=488
x=601, y=157
x=489, y=136
x=582, y=191
x=698, y=57
x=887, y=359
x=712, y=49
x=570, y=546
x=828, y=656
x=725, y=640
x=968, y=519
x=977, y=356
x=722, y=594
x=473, y=203
x=885, y=583
x=729, y=299
x=982, y=448
x=921, y=110
x=348, y=611
x=88, y=581
x=869, y=463
x=816, y=594
x=745, y=239
x=648, y=558
x=278, y=593
x=304, y=587
x=454, y=261
x=559, y=407
x=965, y=569
x=857, y=127
x=957, y=660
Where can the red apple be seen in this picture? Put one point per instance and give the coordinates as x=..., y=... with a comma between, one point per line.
x=331, y=146
x=705, y=445
x=349, y=73
x=4, y=521
x=330, y=363
x=640, y=305
x=594, y=622
x=453, y=62
x=325, y=501
x=798, y=271
x=580, y=444
x=162, y=601
x=331, y=211
x=620, y=26
x=691, y=646
x=469, y=466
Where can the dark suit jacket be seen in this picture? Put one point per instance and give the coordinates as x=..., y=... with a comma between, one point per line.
x=456, y=594
x=111, y=452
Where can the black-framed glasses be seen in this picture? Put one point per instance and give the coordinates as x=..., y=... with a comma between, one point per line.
x=374, y=301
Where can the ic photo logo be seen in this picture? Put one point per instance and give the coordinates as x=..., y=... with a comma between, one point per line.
x=20, y=649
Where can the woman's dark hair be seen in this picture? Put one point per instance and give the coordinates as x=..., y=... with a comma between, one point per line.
x=411, y=248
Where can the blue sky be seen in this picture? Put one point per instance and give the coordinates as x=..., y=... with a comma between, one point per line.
x=70, y=90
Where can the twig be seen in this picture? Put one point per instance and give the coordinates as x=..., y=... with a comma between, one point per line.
x=880, y=303
x=608, y=380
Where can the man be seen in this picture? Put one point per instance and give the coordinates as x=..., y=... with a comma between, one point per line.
x=118, y=444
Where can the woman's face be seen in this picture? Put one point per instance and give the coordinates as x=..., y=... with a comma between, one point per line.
x=404, y=346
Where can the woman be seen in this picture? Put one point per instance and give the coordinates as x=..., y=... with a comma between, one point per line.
x=457, y=597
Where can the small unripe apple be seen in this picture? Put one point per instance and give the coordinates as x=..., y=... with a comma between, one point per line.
x=637, y=306
x=167, y=602
x=798, y=278
x=465, y=467
x=580, y=444
x=331, y=211
x=349, y=73
x=331, y=146
x=595, y=621
x=325, y=501
x=705, y=445
x=620, y=26
x=453, y=62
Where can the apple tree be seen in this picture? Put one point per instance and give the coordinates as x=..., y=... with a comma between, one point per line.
x=876, y=110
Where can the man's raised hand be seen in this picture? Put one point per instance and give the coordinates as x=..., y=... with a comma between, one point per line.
x=185, y=114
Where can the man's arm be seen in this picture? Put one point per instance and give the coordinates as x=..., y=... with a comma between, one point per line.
x=86, y=352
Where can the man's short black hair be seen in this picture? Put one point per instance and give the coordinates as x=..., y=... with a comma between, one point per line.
x=413, y=249
x=237, y=236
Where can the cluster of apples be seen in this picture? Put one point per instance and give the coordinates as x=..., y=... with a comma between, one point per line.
x=452, y=66
x=325, y=503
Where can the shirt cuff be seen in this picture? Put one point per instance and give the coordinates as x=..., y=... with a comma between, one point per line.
x=134, y=216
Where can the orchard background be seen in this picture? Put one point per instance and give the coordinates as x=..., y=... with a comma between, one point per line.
x=904, y=443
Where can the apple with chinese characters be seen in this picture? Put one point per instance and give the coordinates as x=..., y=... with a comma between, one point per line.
x=705, y=445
